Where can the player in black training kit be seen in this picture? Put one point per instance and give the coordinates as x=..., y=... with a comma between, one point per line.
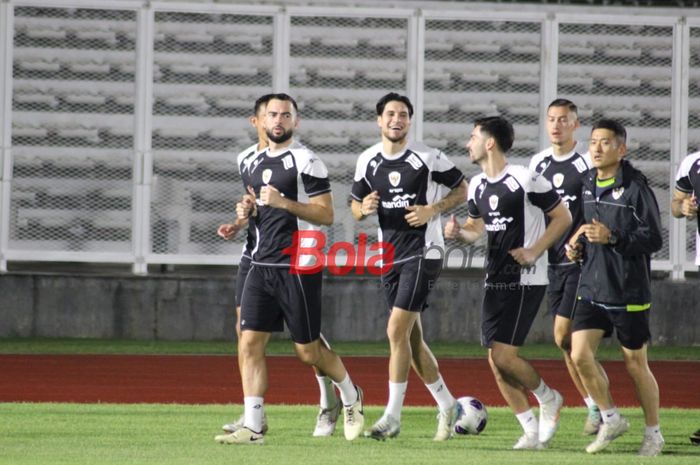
x=288, y=191
x=509, y=202
x=685, y=196
x=565, y=164
x=330, y=405
x=401, y=181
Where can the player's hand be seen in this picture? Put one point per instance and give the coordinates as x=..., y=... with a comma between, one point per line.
x=524, y=256
x=452, y=228
x=270, y=196
x=229, y=230
x=419, y=215
x=574, y=252
x=246, y=207
x=689, y=207
x=596, y=232
x=370, y=204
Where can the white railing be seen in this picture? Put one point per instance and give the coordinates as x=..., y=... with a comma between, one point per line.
x=139, y=248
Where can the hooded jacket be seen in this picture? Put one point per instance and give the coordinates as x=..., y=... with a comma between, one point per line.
x=621, y=274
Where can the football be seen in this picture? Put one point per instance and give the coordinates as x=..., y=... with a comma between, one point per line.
x=471, y=416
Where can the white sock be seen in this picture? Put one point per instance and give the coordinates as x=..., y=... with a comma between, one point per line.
x=543, y=393
x=528, y=421
x=590, y=403
x=653, y=430
x=441, y=394
x=325, y=387
x=253, y=413
x=397, y=391
x=348, y=393
x=611, y=415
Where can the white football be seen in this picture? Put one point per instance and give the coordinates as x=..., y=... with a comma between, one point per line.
x=471, y=416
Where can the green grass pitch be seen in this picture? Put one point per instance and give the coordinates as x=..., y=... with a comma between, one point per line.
x=142, y=434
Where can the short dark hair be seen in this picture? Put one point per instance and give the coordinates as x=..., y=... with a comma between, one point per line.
x=612, y=125
x=394, y=97
x=260, y=102
x=499, y=128
x=284, y=97
x=562, y=102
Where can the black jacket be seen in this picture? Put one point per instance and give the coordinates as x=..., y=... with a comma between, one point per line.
x=621, y=274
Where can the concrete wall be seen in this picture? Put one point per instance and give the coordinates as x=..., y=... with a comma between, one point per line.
x=202, y=308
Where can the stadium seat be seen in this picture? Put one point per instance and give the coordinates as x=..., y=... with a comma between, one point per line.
x=570, y=45
x=622, y=81
x=480, y=75
x=194, y=37
x=92, y=67
x=108, y=37
x=33, y=96
x=85, y=99
x=190, y=68
x=486, y=47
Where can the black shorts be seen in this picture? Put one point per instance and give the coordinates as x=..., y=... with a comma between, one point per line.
x=563, y=289
x=407, y=285
x=243, y=268
x=632, y=327
x=273, y=296
x=508, y=312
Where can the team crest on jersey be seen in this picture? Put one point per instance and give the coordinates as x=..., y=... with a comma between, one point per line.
x=558, y=180
x=493, y=202
x=617, y=193
x=266, y=176
x=394, y=178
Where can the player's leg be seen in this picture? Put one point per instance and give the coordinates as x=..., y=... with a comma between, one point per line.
x=300, y=297
x=329, y=403
x=517, y=308
x=562, y=294
x=399, y=329
x=591, y=324
x=515, y=395
x=426, y=366
x=633, y=333
x=254, y=381
x=389, y=425
x=241, y=275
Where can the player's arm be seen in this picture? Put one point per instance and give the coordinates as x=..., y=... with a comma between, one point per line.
x=368, y=206
x=469, y=232
x=684, y=205
x=229, y=230
x=559, y=222
x=420, y=214
x=319, y=209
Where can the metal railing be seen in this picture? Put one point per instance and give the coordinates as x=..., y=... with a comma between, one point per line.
x=120, y=126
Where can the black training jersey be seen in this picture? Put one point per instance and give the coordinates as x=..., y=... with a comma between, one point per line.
x=410, y=178
x=566, y=173
x=298, y=174
x=242, y=161
x=688, y=181
x=511, y=206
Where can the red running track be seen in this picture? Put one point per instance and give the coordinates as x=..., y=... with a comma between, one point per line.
x=214, y=379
